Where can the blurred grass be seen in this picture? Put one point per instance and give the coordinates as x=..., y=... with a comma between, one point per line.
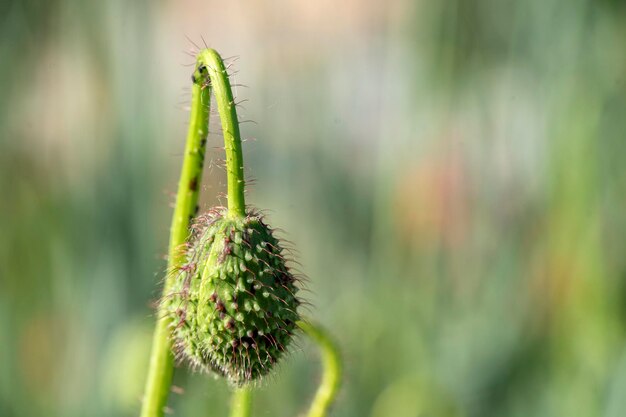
x=451, y=172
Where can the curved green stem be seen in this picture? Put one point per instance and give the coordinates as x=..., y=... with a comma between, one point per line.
x=331, y=363
x=160, y=370
x=161, y=366
x=241, y=404
x=230, y=126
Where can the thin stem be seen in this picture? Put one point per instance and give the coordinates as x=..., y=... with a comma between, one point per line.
x=230, y=126
x=331, y=363
x=241, y=404
x=161, y=367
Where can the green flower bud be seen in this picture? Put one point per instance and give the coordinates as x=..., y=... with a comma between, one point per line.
x=233, y=305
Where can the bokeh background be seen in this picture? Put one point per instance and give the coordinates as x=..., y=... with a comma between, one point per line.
x=452, y=172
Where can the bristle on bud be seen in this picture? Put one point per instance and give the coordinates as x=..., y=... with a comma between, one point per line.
x=233, y=306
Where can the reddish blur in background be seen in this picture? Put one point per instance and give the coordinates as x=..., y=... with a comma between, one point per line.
x=451, y=171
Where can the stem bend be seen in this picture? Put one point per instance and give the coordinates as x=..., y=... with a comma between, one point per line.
x=230, y=127
x=331, y=363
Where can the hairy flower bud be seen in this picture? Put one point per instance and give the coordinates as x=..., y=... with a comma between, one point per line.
x=233, y=305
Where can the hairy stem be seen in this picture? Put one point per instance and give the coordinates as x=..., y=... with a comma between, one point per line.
x=161, y=361
x=241, y=404
x=331, y=364
x=230, y=127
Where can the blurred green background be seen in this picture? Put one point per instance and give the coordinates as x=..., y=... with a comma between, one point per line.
x=452, y=172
